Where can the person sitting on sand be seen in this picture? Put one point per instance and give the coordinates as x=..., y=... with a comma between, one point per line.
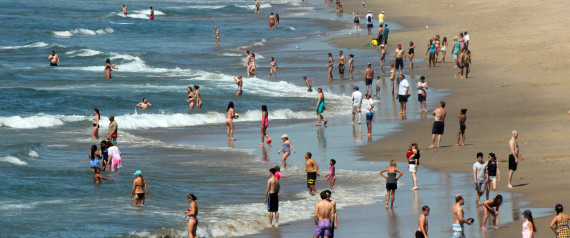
x=491, y=207
x=144, y=104
x=97, y=177
x=391, y=181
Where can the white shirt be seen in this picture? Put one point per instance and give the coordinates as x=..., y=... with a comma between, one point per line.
x=114, y=152
x=466, y=37
x=370, y=107
x=371, y=17
x=480, y=170
x=423, y=87
x=356, y=98
x=403, y=86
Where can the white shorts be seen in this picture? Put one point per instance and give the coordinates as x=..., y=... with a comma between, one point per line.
x=412, y=168
x=492, y=178
x=457, y=231
x=454, y=56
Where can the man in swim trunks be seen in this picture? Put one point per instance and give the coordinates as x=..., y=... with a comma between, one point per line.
x=369, y=24
x=438, y=124
x=144, y=104
x=112, y=130
x=53, y=59
x=312, y=173
x=257, y=7
x=422, y=230
x=124, y=8
x=334, y=221
x=513, y=157
x=151, y=14
x=458, y=218
x=324, y=213
x=271, y=197
x=271, y=20
x=399, y=58
x=368, y=76
x=383, y=58
x=341, y=62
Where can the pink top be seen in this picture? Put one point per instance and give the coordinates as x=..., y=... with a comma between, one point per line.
x=115, y=155
x=265, y=121
x=278, y=175
x=526, y=230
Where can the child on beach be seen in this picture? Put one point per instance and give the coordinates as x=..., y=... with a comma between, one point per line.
x=378, y=85
x=286, y=149
x=332, y=172
x=461, y=133
x=392, y=74
x=264, y=125
x=409, y=153
x=308, y=82
x=97, y=177
x=528, y=227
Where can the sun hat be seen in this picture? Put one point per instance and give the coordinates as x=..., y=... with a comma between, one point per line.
x=284, y=136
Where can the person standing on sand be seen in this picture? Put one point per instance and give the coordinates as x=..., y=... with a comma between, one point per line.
x=422, y=93
x=381, y=18
x=351, y=65
x=479, y=177
x=461, y=63
x=368, y=76
x=330, y=65
x=53, y=59
x=369, y=113
x=528, y=227
x=320, y=108
x=257, y=7
x=411, y=52
x=455, y=51
x=151, y=14
x=459, y=218
x=513, y=157
x=271, y=20
x=217, y=33
x=422, y=230
x=369, y=23
x=386, y=32
x=112, y=130
x=399, y=58
x=286, y=149
x=356, y=104
x=139, y=188
x=192, y=213
x=324, y=213
x=491, y=207
x=467, y=63
x=382, y=58
x=272, y=197
x=97, y=177
x=559, y=224
x=312, y=169
x=492, y=174
x=341, y=63
x=391, y=181
x=443, y=49
x=431, y=51
x=380, y=38
x=403, y=89
x=438, y=124
x=356, y=20
x=461, y=133
x=414, y=164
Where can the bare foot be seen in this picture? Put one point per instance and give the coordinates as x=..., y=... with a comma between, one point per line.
x=387, y=205
x=276, y=225
x=318, y=125
x=232, y=139
x=359, y=122
x=261, y=143
x=456, y=144
x=414, y=188
x=368, y=134
x=431, y=146
x=509, y=186
x=462, y=144
x=496, y=227
x=483, y=228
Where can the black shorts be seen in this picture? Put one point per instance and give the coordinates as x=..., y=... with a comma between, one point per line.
x=369, y=26
x=399, y=63
x=369, y=117
x=341, y=68
x=391, y=186
x=512, y=164
x=52, y=64
x=272, y=202
x=402, y=98
x=311, y=178
x=421, y=98
x=462, y=127
x=438, y=127
x=419, y=234
x=368, y=81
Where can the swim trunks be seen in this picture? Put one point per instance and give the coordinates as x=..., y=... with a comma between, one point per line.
x=271, y=24
x=368, y=81
x=402, y=98
x=399, y=63
x=152, y=17
x=369, y=25
x=438, y=127
x=457, y=231
x=419, y=234
x=421, y=98
x=52, y=64
x=512, y=164
x=323, y=229
x=480, y=185
x=140, y=195
x=311, y=178
x=341, y=68
x=356, y=109
x=272, y=202
x=310, y=89
x=369, y=116
x=391, y=186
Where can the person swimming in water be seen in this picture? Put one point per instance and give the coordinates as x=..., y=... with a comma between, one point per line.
x=139, y=188
x=273, y=67
x=192, y=213
x=239, y=83
x=97, y=177
x=144, y=104
x=109, y=67
x=286, y=149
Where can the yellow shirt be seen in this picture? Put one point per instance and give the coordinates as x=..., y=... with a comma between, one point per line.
x=380, y=17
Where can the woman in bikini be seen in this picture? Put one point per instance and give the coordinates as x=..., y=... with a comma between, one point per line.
x=95, y=134
x=230, y=115
x=192, y=213
x=272, y=67
x=491, y=207
x=264, y=125
x=443, y=49
x=239, y=83
x=191, y=98
x=109, y=67
x=330, y=65
x=198, y=98
x=251, y=72
x=437, y=45
x=94, y=157
x=217, y=32
x=351, y=65
x=139, y=189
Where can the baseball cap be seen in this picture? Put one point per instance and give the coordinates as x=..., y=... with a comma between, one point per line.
x=399, y=45
x=355, y=87
x=369, y=11
x=369, y=65
x=138, y=172
x=527, y=212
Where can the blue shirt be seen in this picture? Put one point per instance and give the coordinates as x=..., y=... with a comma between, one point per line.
x=386, y=31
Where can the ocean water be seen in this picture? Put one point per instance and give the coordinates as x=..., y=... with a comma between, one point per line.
x=46, y=112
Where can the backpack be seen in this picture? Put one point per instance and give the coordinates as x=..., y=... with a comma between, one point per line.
x=369, y=18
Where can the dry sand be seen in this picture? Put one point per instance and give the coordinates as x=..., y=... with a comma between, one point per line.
x=518, y=82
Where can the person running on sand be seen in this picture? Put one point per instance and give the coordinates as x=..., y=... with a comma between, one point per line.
x=192, y=213
x=53, y=59
x=459, y=218
x=414, y=164
x=324, y=213
x=257, y=5
x=356, y=20
x=422, y=230
x=198, y=97
x=332, y=174
x=479, y=177
x=369, y=113
x=351, y=65
x=144, y=104
x=239, y=83
x=272, y=67
x=139, y=188
x=97, y=177
x=341, y=63
x=191, y=99
x=330, y=65
x=356, y=104
x=382, y=57
x=308, y=82
x=320, y=108
x=112, y=130
x=492, y=172
x=271, y=20
x=438, y=124
x=286, y=149
x=264, y=125
x=491, y=207
x=391, y=181
x=513, y=157
x=528, y=227
x=124, y=9
x=422, y=93
x=461, y=133
x=151, y=14
x=95, y=133
x=230, y=115
x=399, y=58
x=312, y=169
x=431, y=51
x=272, y=197
x=411, y=52
x=403, y=89
x=443, y=48
x=368, y=77
x=252, y=67
x=109, y=67
x=559, y=224
x=217, y=33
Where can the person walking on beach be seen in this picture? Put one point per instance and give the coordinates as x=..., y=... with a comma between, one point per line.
x=431, y=51
x=368, y=77
x=217, y=33
x=455, y=51
x=356, y=104
x=53, y=59
x=492, y=174
x=439, y=124
x=330, y=65
x=341, y=62
x=369, y=113
x=391, y=181
x=230, y=115
x=324, y=212
x=109, y=68
x=272, y=198
x=144, y=104
x=271, y=20
x=264, y=125
x=97, y=177
x=151, y=14
x=286, y=149
x=422, y=93
x=334, y=221
x=272, y=67
x=386, y=32
x=479, y=177
x=461, y=63
x=320, y=107
x=383, y=58
x=461, y=133
x=332, y=174
x=239, y=83
x=559, y=224
x=312, y=169
x=443, y=48
x=380, y=38
x=381, y=18
x=356, y=20
x=403, y=89
x=459, y=218
x=112, y=130
x=422, y=230
x=351, y=65
x=139, y=189
x=399, y=58
x=513, y=157
x=467, y=63
x=257, y=6
x=369, y=24
x=411, y=52
x=414, y=164
x=192, y=213
x=528, y=227
x=491, y=207
x=95, y=133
